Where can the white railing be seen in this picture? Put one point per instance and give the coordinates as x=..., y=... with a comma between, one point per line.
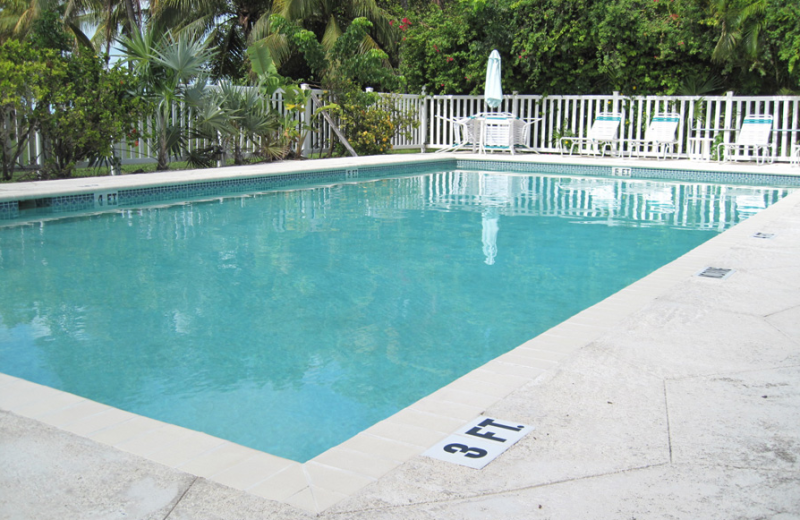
x=560, y=116
x=712, y=118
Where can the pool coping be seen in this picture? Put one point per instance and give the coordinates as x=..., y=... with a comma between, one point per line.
x=664, y=170
x=345, y=469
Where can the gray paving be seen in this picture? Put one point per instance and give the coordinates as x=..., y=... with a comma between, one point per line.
x=688, y=409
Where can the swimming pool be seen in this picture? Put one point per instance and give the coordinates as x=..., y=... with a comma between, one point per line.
x=261, y=256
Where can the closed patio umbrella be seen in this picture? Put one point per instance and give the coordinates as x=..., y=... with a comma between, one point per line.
x=493, y=93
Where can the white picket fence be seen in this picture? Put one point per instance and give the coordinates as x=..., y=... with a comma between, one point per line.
x=555, y=116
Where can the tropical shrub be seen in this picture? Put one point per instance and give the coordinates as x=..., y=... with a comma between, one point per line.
x=598, y=46
x=589, y=46
x=368, y=127
x=172, y=79
x=79, y=107
x=444, y=50
x=83, y=113
x=22, y=71
x=367, y=122
x=249, y=118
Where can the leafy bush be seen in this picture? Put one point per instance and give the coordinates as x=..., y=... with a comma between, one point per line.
x=598, y=46
x=84, y=113
x=79, y=107
x=367, y=121
x=368, y=127
x=22, y=70
x=445, y=50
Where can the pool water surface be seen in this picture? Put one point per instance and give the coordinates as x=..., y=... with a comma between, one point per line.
x=289, y=321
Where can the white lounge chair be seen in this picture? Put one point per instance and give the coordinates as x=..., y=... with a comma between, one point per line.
x=661, y=134
x=601, y=136
x=753, y=135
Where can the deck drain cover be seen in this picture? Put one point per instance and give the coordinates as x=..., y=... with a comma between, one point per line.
x=764, y=235
x=715, y=272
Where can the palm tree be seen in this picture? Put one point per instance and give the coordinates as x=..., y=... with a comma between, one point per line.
x=329, y=19
x=17, y=18
x=171, y=70
x=250, y=118
x=741, y=23
x=233, y=25
x=108, y=18
x=228, y=24
x=111, y=18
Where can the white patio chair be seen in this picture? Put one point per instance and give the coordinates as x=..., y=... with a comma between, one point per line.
x=466, y=134
x=496, y=134
x=661, y=134
x=505, y=133
x=522, y=134
x=601, y=136
x=753, y=135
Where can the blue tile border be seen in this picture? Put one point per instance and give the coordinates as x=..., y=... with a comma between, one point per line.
x=9, y=210
x=70, y=203
x=12, y=210
x=149, y=195
x=637, y=172
x=132, y=197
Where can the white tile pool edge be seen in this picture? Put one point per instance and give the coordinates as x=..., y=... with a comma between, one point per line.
x=54, y=188
x=343, y=470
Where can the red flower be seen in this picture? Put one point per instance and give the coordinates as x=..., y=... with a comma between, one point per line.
x=391, y=22
x=680, y=43
x=450, y=59
x=405, y=20
x=435, y=48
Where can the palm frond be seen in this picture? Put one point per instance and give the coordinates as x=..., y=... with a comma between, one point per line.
x=227, y=38
x=261, y=59
x=296, y=9
x=726, y=46
x=278, y=47
x=185, y=57
x=698, y=85
x=332, y=33
x=80, y=37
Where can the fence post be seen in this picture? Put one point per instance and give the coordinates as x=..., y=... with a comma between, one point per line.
x=221, y=156
x=422, y=102
x=306, y=121
x=615, y=102
x=514, y=103
x=116, y=159
x=728, y=114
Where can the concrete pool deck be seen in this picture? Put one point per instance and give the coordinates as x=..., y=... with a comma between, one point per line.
x=678, y=397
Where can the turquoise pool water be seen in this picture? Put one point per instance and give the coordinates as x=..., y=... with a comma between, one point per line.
x=290, y=321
